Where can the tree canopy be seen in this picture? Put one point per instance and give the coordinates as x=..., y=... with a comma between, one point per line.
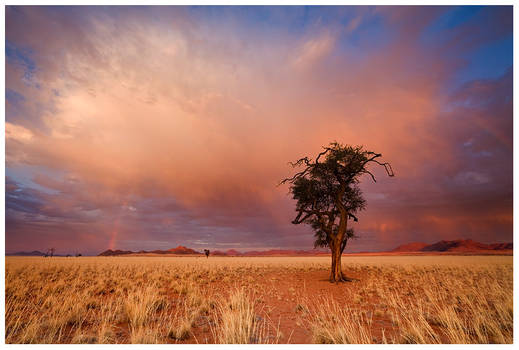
x=328, y=195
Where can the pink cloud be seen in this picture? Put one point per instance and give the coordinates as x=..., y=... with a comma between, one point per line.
x=173, y=109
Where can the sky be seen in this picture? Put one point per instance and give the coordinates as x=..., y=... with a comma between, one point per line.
x=151, y=127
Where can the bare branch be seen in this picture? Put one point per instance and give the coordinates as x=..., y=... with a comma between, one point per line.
x=368, y=172
x=387, y=166
x=326, y=149
x=389, y=169
x=353, y=217
x=298, y=219
x=372, y=159
x=305, y=160
x=290, y=179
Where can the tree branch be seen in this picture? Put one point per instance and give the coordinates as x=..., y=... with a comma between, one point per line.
x=368, y=172
x=298, y=219
x=353, y=217
x=290, y=179
x=308, y=213
x=306, y=160
x=387, y=166
x=326, y=149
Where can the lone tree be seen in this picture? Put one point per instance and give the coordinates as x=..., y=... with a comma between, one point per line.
x=328, y=195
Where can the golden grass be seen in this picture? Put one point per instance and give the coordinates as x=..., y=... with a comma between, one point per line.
x=239, y=323
x=426, y=304
x=237, y=300
x=336, y=324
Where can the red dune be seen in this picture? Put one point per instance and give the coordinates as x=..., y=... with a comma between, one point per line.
x=218, y=253
x=110, y=252
x=182, y=250
x=410, y=247
x=458, y=245
x=232, y=252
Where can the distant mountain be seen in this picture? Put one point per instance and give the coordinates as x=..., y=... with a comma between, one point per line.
x=218, y=253
x=271, y=252
x=180, y=250
x=410, y=247
x=232, y=252
x=458, y=245
x=285, y=252
x=33, y=253
x=111, y=252
x=501, y=246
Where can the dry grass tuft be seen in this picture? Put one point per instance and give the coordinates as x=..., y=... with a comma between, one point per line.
x=239, y=322
x=336, y=324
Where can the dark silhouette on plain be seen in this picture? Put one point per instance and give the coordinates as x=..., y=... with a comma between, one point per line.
x=328, y=195
x=206, y=252
x=50, y=252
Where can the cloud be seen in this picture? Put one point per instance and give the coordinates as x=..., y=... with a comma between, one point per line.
x=192, y=125
x=313, y=50
x=17, y=133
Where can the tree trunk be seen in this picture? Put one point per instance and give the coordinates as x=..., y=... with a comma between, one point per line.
x=336, y=262
x=336, y=274
x=337, y=247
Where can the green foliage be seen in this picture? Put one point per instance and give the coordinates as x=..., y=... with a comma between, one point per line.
x=328, y=186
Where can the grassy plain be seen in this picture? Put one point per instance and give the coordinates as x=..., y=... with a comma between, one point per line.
x=398, y=299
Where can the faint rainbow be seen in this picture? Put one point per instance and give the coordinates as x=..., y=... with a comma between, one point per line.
x=115, y=230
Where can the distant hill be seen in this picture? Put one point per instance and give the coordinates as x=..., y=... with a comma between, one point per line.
x=285, y=252
x=501, y=246
x=271, y=252
x=33, y=253
x=180, y=250
x=454, y=247
x=218, y=253
x=410, y=247
x=459, y=246
x=110, y=252
x=232, y=252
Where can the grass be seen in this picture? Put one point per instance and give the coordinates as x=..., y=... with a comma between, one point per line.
x=333, y=323
x=436, y=304
x=258, y=300
x=239, y=322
